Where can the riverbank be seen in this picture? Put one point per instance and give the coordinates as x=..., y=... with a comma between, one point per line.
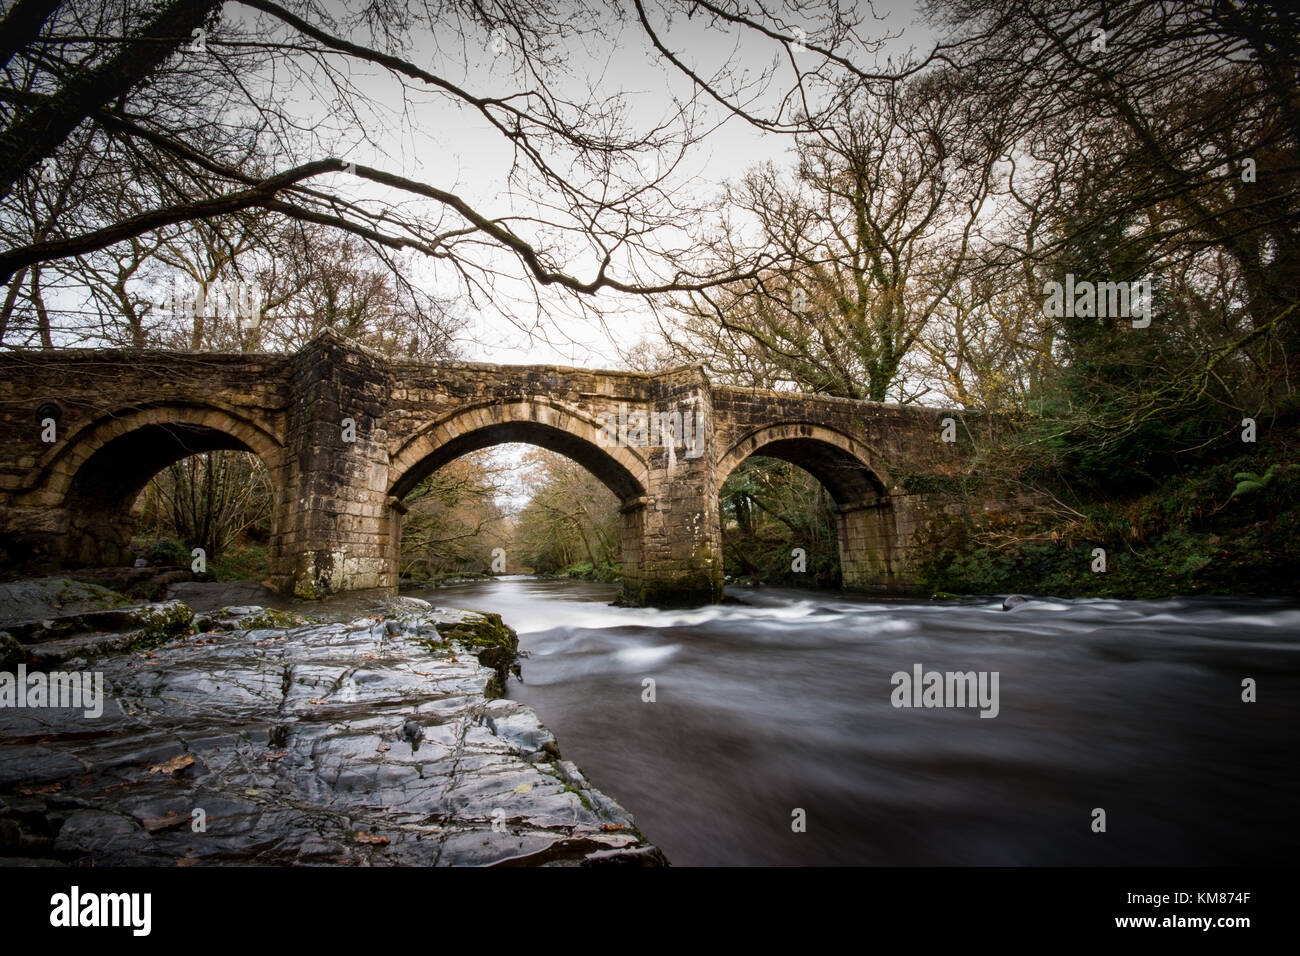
x=252, y=736
x=1224, y=528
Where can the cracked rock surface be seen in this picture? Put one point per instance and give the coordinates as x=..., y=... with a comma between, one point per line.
x=369, y=742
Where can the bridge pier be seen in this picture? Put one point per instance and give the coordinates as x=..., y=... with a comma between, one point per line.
x=868, y=536
x=631, y=535
x=678, y=527
x=340, y=533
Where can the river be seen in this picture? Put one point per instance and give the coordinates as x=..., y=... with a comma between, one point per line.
x=783, y=703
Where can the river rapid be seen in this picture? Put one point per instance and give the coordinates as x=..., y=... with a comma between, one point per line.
x=786, y=702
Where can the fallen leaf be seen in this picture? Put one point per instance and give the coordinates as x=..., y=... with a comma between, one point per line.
x=612, y=826
x=362, y=837
x=383, y=748
x=524, y=788
x=274, y=756
x=33, y=791
x=179, y=762
x=166, y=822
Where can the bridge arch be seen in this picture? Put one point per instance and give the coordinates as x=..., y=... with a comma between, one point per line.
x=533, y=420
x=844, y=465
x=93, y=477
x=857, y=482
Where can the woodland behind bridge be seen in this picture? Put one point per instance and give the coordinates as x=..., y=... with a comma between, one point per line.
x=896, y=246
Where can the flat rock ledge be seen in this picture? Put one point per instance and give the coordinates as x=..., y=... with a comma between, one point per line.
x=264, y=738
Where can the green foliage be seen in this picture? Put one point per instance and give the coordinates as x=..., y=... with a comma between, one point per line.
x=923, y=484
x=167, y=552
x=586, y=571
x=1193, y=535
x=1250, y=483
x=242, y=561
x=768, y=508
x=1118, y=415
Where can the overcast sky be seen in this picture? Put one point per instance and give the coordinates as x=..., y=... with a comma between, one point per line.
x=436, y=142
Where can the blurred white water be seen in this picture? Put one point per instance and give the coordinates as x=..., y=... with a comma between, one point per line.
x=783, y=702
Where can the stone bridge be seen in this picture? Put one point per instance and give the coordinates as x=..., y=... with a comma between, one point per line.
x=347, y=434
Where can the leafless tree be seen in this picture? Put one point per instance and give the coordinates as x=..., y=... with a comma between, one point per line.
x=868, y=237
x=202, y=101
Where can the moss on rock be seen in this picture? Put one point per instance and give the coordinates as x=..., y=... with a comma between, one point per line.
x=91, y=596
x=492, y=642
x=168, y=617
x=269, y=617
x=159, y=623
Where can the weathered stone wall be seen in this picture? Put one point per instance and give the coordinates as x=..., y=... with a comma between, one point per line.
x=343, y=538
x=861, y=452
x=120, y=417
x=347, y=434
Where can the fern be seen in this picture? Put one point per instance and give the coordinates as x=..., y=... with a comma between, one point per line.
x=1249, y=482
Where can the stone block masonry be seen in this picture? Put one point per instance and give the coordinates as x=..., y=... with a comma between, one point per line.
x=346, y=434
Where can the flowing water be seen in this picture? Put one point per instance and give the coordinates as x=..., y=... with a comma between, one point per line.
x=783, y=703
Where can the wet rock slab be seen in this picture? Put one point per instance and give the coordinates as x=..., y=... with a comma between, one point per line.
x=263, y=740
x=34, y=599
